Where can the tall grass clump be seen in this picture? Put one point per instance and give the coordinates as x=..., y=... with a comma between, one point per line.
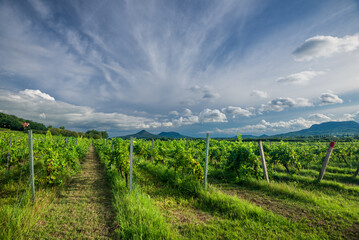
x=136, y=214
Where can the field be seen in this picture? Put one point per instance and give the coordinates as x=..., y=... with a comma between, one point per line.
x=168, y=199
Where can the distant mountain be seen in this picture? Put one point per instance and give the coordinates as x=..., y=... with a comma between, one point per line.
x=172, y=135
x=326, y=129
x=146, y=135
x=142, y=135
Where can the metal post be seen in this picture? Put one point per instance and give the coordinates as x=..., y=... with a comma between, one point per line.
x=206, y=163
x=8, y=155
x=265, y=173
x=153, y=145
x=326, y=161
x=31, y=159
x=131, y=163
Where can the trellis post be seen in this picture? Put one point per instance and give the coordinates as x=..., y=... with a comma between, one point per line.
x=326, y=161
x=264, y=165
x=206, y=163
x=131, y=163
x=31, y=164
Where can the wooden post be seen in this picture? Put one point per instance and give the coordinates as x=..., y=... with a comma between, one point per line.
x=326, y=161
x=131, y=163
x=206, y=163
x=8, y=155
x=66, y=141
x=31, y=161
x=153, y=145
x=265, y=173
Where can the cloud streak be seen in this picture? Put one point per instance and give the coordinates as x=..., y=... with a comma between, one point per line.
x=299, y=78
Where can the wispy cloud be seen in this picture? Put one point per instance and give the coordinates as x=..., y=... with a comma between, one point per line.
x=260, y=94
x=299, y=78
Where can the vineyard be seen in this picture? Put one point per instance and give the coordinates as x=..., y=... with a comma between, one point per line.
x=55, y=160
x=170, y=200
x=162, y=189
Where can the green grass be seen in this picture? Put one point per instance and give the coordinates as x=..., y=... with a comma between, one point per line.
x=17, y=221
x=136, y=214
x=339, y=213
x=227, y=216
x=83, y=209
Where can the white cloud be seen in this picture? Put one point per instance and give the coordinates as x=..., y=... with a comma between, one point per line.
x=205, y=116
x=349, y=116
x=279, y=104
x=325, y=46
x=37, y=94
x=42, y=115
x=214, y=115
x=175, y=113
x=319, y=117
x=185, y=121
x=39, y=106
x=237, y=112
x=299, y=78
x=330, y=98
x=265, y=126
x=259, y=93
x=187, y=112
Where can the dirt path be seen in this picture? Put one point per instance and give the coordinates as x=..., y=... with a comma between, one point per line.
x=84, y=208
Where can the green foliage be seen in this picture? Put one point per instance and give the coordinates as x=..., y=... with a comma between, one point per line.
x=97, y=134
x=59, y=157
x=244, y=161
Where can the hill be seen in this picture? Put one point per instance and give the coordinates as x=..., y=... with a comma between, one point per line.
x=172, y=135
x=326, y=129
x=15, y=123
x=142, y=135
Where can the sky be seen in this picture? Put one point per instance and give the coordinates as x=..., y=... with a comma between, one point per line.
x=224, y=67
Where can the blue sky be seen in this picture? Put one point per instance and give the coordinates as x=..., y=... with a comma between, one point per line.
x=254, y=67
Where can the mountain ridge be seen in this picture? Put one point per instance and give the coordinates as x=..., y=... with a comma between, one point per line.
x=331, y=128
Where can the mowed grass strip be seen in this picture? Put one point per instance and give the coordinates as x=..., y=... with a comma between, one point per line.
x=230, y=217
x=337, y=214
x=83, y=210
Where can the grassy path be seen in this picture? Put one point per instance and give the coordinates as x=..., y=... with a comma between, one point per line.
x=84, y=208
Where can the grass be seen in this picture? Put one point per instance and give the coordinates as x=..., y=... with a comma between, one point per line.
x=136, y=213
x=219, y=214
x=83, y=210
x=338, y=214
x=16, y=219
x=16, y=222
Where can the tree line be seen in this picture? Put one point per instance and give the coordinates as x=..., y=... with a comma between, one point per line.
x=15, y=123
